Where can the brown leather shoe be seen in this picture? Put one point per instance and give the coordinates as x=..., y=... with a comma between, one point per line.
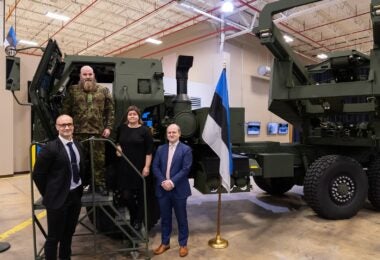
x=183, y=251
x=161, y=249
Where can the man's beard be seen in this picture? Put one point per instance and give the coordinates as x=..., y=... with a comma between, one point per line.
x=88, y=85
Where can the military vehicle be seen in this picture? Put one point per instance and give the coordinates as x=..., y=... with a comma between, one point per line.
x=332, y=105
x=132, y=82
x=138, y=82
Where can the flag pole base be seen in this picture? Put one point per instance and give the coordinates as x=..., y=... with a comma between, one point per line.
x=4, y=246
x=218, y=242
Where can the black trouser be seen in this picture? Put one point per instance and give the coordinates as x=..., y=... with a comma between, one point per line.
x=134, y=200
x=61, y=226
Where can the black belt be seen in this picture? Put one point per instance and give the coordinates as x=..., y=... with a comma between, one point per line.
x=76, y=189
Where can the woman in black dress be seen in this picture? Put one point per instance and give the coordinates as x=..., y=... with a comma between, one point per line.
x=136, y=142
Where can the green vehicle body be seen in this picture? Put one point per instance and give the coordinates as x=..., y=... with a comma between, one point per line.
x=331, y=105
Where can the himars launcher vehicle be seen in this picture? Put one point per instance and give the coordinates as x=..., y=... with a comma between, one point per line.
x=333, y=105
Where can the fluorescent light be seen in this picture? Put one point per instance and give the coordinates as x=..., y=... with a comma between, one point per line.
x=288, y=38
x=58, y=16
x=322, y=56
x=186, y=5
x=154, y=41
x=25, y=42
x=227, y=7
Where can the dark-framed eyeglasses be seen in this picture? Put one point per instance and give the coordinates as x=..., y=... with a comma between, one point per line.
x=65, y=125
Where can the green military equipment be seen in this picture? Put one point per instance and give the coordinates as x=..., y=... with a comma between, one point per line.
x=12, y=73
x=331, y=105
x=136, y=82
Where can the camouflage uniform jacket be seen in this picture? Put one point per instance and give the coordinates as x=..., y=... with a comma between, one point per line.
x=92, y=112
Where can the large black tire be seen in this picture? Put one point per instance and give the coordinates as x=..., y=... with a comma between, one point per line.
x=335, y=187
x=274, y=186
x=373, y=174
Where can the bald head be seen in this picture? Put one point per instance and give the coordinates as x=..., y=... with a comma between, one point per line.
x=87, y=78
x=86, y=69
x=63, y=117
x=173, y=133
x=65, y=127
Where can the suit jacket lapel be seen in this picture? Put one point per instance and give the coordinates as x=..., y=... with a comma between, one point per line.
x=175, y=155
x=77, y=145
x=81, y=157
x=61, y=147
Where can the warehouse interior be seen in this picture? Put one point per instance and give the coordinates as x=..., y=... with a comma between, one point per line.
x=255, y=224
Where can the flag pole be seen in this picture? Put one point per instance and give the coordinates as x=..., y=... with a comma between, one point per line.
x=219, y=102
x=218, y=242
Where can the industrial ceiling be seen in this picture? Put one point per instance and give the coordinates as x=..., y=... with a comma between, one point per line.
x=111, y=27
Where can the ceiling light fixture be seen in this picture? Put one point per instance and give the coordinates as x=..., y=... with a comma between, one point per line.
x=26, y=42
x=58, y=16
x=288, y=38
x=322, y=56
x=235, y=25
x=227, y=6
x=154, y=41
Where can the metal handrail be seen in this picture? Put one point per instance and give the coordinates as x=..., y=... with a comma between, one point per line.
x=97, y=139
x=91, y=140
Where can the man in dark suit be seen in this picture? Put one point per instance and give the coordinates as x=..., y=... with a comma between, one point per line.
x=59, y=176
x=171, y=166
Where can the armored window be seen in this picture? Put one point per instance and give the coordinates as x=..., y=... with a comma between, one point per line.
x=144, y=86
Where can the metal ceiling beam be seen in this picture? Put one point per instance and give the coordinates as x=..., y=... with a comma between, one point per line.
x=128, y=26
x=308, y=10
x=196, y=10
x=330, y=23
x=69, y=22
x=120, y=49
x=80, y=32
x=288, y=27
x=335, y=37
x=248, y=30
x=11, y=9
x=189, y=41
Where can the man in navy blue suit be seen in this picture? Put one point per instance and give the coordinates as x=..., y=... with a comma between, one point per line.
x=171, y=166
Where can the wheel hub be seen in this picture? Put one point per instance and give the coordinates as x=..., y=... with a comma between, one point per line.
x=342, y=189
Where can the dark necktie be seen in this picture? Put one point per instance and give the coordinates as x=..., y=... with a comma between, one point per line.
x=74, y=164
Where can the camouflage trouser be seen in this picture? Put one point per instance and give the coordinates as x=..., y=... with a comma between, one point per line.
x=98, y=152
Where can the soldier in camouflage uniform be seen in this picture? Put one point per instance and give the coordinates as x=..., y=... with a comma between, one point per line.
x=91, y=106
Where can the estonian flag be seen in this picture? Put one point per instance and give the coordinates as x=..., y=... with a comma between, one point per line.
x=216, y=132
x=11, y=39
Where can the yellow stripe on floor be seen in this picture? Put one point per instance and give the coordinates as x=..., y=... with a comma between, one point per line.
x=21, y=226
x=14, y=176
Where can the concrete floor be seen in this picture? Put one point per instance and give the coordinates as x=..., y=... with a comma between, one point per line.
x=257, y=226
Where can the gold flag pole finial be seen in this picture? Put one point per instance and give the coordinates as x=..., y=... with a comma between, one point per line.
x=218, y=242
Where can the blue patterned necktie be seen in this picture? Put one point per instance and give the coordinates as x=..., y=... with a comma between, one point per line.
x=74, y=164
